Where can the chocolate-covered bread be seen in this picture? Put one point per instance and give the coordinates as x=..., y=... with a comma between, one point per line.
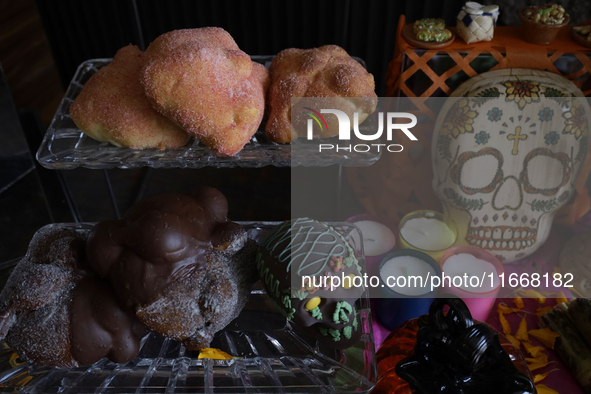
x=178, y=263
x=307, y=248
x=55, y=312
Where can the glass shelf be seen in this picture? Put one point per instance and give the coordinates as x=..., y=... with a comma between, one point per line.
x=65, y=147
x=271, y=354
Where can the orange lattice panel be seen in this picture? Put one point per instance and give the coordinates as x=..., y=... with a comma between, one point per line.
x=507, y=47
x=401, y=183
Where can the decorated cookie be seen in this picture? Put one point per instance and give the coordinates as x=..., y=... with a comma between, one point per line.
x=312, y=274
x=431, y=30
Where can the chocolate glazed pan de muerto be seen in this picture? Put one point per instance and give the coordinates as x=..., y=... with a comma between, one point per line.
x=178, y=264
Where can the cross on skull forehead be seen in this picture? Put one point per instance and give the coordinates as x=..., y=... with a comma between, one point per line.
x=506, y=154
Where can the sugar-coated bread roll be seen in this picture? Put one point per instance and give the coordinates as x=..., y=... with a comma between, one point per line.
x=327, y=72
x=112, y=107
x=55, y=312
x=201, y=80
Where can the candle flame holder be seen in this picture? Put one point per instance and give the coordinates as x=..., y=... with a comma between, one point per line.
x=436, y=254
x=479, y=303
x=394, y=308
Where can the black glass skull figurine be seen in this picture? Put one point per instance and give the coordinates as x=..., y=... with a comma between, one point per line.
x=454, y=355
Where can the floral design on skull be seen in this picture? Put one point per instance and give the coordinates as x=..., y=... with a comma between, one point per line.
x=522, y=92
x=576, y=121
x=495, y=114
x=482, y=137
x=552, y=138
x=459, y=120
x=503, y=185
x=546, y=114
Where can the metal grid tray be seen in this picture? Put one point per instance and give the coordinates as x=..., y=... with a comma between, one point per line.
x=272, y=356
x=65, y=147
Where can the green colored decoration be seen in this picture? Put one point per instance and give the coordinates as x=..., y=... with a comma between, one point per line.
x=486, y=95
x=463, y=202
x=299, y=294
x=335, y=334
x=289, y=311
x=341, y=310
x=443, y=147
x=347, y=332
x=316, y=313
x=540, y=205
x=271, y=283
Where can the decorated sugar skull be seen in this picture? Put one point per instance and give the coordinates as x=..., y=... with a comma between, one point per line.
x=507, y=149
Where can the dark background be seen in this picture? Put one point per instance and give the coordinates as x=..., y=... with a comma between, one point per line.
x=78, y=31
x=81, y=30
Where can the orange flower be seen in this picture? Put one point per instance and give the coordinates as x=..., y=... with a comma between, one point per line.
x=561, y=298
x=521, y=332
x=540, y=361
x=540, y=311
x=515, y=342
x=541, y=376
x=522, y=92
x=532, y=350
x=576, y=121
x=501, y=308
x=531, y=293
x=543, y=389
x=504, y=324
x=545, y=335
x=459, y=119
x=215, y=354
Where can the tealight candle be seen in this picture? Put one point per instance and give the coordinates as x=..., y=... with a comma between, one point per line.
x=462, y=264
x=405, y=267
x=377, y=238
x=400, y=297
x=479, y=273
x=427, y=234
x=428, y=231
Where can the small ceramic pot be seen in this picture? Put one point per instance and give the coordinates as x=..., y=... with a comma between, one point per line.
x=539, y=33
